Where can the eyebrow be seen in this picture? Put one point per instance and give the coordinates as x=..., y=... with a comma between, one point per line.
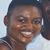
x=26, y=17
x=38, y=18
x=21, y=16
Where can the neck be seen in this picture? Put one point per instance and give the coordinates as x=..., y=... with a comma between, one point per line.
x=16, y=45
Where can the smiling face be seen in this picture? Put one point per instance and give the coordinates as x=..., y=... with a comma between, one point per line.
x=24, y=23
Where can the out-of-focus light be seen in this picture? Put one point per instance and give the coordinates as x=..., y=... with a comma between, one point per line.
x=37, y=0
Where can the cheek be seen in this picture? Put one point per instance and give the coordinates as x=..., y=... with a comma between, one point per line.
x=38, y=28
x=15, y=28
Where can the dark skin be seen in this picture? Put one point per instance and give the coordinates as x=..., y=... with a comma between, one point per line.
x=23, y=25
x=4, y=47
x=46, y=9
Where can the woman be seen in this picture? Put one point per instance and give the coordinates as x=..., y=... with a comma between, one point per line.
x=23, y=22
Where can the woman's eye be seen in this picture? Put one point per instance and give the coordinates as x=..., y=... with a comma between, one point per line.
x=21, y=19
x=36, y=21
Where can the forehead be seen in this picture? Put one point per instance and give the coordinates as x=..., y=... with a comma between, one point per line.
x=27, y=11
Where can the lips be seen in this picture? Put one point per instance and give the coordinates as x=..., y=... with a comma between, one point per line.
x=27, y=34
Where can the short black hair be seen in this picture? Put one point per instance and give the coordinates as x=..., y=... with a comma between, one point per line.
x=15, y=3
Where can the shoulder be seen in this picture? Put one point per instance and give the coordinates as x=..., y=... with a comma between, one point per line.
x=3, y=46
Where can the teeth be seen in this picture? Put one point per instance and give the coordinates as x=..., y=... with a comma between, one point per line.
x=27, y=33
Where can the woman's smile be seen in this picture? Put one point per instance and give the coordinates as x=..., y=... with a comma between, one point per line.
x=27, y=34
x=22, y=27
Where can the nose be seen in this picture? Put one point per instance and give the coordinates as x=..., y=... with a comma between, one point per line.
x=28, y=26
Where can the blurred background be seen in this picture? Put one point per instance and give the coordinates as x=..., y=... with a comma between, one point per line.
x=3, y=10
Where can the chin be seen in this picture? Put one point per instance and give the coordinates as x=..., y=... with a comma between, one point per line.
x=24, y=41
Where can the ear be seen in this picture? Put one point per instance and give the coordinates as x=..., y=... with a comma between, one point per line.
x=6, y=20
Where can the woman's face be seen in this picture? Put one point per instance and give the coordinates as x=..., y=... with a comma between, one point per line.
x=25, y=23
